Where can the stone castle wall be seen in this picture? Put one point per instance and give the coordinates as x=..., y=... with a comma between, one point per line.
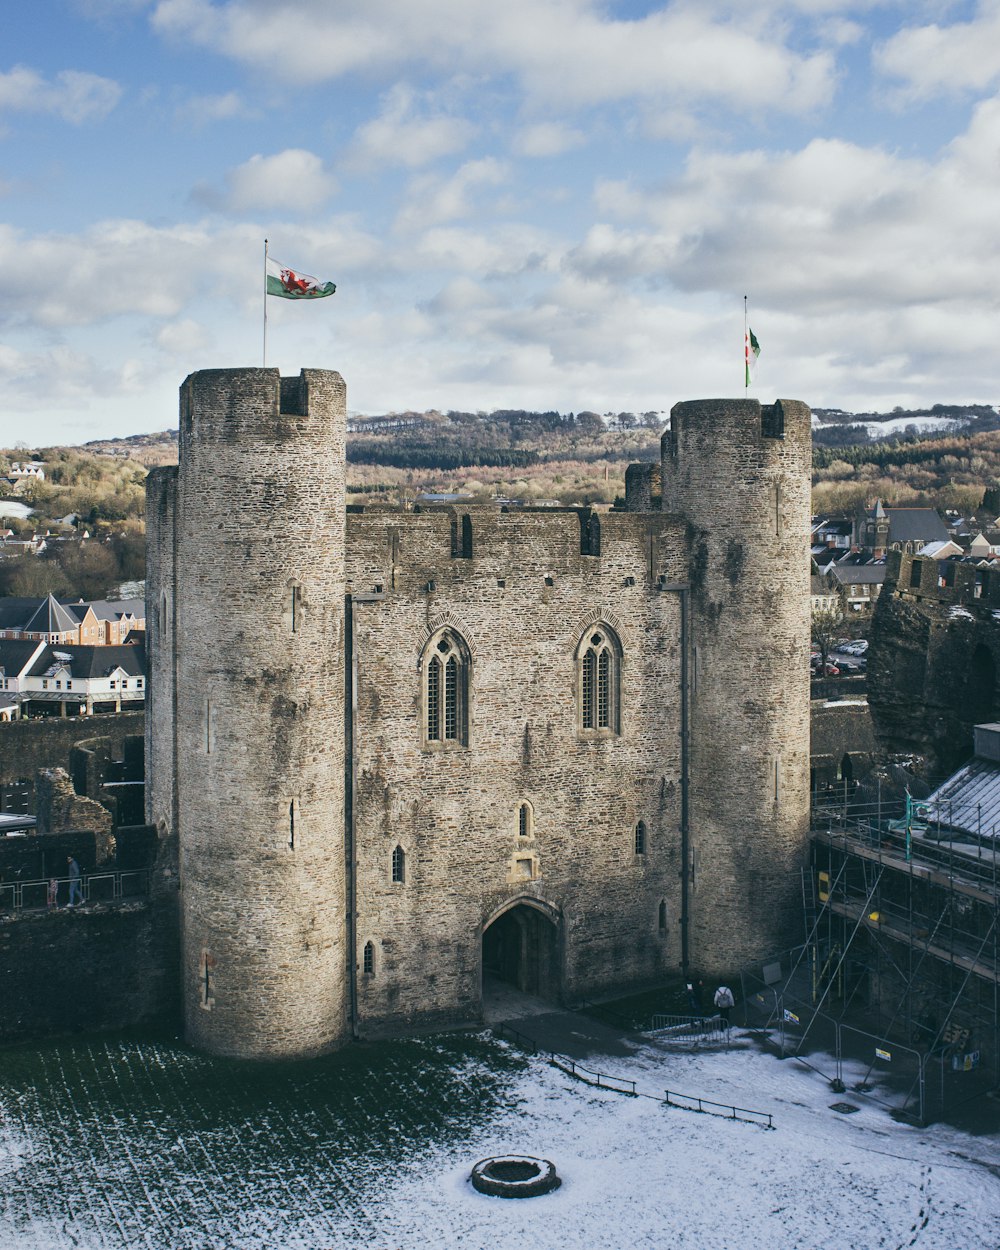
x=740, y=474
x=27, y=745
x=522, y=602
x=934, y=659
x=259, y=696
x=287, y=726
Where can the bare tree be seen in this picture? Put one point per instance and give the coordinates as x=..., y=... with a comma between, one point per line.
x=826, y=625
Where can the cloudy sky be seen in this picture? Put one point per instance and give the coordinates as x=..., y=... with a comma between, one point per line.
x=537, y=203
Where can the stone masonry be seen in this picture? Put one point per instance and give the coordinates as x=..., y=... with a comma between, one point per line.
x=345, y=866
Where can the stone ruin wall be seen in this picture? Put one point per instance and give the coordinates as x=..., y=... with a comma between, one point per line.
x=934, y=660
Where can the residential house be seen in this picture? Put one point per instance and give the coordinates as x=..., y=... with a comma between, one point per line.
x=83, y=680
x=942, y=550
x=98, y=623
x=858, y=585
x=17, y=656
x=822, y=596
x=985, y=545
x=833, y=532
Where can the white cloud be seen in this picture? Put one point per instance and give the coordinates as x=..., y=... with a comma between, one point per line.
x=183, y=337
x=74, y=96
x=429, y=200
x=547, y=139
x=505, y=251
x=944, y=60
x=202, y=110
x=399, y=136
x=568, y=51
x=129, y=269
x=833, y=224
x=293, y=180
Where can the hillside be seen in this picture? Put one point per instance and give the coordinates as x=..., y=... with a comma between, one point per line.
x=943, y=456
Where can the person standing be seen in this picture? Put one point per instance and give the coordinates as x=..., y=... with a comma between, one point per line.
x=724, y=1003
x=53, y=895
x=75, y=892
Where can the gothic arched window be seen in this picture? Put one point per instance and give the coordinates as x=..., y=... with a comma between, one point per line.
x=399, y=865
x=368, y=959
x=640, y=838
x=446, y=689
x=598, y=673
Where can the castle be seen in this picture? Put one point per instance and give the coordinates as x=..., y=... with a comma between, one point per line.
x=395, y=747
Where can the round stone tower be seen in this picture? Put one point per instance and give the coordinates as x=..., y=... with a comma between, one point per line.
x=259, y=694
x=739, y=472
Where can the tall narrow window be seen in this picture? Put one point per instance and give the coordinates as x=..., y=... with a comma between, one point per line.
x=599, y=666
x=296, y=595
x=525, y=821
x=368, y=959
x=640, y=838
x=446, y=689
x=451, y=698
x=663, y=915
x=399, y=865
x=589, y=686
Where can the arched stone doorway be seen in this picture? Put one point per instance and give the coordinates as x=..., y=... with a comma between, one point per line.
x=521, y=949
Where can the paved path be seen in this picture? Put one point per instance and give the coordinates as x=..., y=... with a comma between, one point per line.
x=569, y=1033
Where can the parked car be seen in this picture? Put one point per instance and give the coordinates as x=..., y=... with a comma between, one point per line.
x=831, y=670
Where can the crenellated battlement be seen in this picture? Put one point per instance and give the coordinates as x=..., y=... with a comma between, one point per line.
x=401, y=750
x=248, y=406
x=946, y=582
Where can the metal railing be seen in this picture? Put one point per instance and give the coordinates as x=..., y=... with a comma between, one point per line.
x=619, y=1085
x=117, y=886
x=689, y=1029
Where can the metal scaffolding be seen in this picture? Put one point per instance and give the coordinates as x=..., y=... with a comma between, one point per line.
x=902, y=914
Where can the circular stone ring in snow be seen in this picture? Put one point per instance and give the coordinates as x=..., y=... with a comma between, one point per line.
x=515, y=1176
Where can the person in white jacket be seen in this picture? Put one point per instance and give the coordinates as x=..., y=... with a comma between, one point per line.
x=724, y=1003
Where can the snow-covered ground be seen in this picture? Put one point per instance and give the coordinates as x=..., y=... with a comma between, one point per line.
x=291, y=1172
x=896, y=425
x=10, y=507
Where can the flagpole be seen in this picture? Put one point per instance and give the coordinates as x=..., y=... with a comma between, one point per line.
x=264, y=358
x=746, y=347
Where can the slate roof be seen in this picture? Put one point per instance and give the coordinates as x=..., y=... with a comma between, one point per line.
x=907, y=525
x=834, y=525
x=858, y=574
x=50, y=616
x=115, y=609
x=90, y=662
x=969, y=801
x=15, y=654
x=14, y=611
x=935, y=548
x=824, y=555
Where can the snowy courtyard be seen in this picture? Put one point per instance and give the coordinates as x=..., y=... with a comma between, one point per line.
x=140, y=1143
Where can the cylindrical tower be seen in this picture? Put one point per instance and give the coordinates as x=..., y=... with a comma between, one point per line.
x=740, y=473
x=260, y=711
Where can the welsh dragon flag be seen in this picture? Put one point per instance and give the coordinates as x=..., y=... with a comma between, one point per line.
x=752, y=349
x=289, y=284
